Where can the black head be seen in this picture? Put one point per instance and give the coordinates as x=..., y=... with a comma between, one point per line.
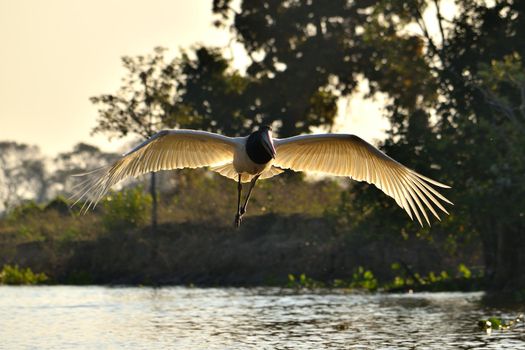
x=265, y=128
x=259, y=145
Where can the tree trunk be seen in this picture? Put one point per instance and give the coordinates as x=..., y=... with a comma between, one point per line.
x=510, y=270
x=506, y=264
x=153, y=192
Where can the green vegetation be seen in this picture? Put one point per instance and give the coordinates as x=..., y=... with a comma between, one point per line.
x=126, y=209
x=461, y=279
x=361, y=279
x=14, y=275
x=364, y=280
x=302, y=281
x=496, y=323
x=455, y=103
x=293, y=225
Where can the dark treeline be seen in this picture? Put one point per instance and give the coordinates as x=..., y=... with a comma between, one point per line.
x=456, y=97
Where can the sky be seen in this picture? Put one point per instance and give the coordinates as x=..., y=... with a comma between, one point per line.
x=55, y=54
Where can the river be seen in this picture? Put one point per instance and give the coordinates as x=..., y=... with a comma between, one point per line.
x=60, y=317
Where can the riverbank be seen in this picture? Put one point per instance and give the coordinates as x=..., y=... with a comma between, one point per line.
x=265, y=251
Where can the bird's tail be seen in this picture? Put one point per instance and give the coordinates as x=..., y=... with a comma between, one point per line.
x=227, y=170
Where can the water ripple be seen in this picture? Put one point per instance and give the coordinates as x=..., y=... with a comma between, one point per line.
x=238, y=318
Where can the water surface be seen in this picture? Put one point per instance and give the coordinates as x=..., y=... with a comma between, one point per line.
x=237, y=318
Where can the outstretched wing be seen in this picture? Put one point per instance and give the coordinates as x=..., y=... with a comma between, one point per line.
x=349, y=155
x=168, y=149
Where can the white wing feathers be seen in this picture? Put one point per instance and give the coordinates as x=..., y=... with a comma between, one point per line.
x=333, y=154
x=168, y=149
x=349, y=155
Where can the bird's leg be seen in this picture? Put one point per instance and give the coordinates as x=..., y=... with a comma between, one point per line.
x=252, y=185
x=239, y=192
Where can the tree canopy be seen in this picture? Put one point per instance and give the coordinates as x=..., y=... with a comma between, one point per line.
x=456, y=97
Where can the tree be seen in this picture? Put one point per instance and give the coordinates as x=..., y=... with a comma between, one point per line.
x=477, y=138
x=503, y=154
x=210, y=95
x=452, y=106
x=481, y=127
x=197, y=90
x=25, y=174
x=82, y=159
x=307, y=54
x=22, y=174
x=141, y=104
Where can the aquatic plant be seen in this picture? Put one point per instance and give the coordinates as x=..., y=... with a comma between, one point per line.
x=496, y=323
x=361, y=279
x=14, y=275
x=462, y=279
x=302, y=281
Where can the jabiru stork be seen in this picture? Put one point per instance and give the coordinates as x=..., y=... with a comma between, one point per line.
x=260, y=156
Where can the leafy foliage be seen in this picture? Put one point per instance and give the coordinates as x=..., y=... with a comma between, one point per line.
x=306, y=54
x=143, y=100
x=141, y=105
x=303, y=281
x=461, y=279
x=455, y=107
x=125, y=209
x=362, y=279
x=210, y=95
x=496, y=323
x=15, y=275
x=23, y=210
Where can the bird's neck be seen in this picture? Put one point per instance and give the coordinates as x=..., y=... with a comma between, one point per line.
x=255, y=149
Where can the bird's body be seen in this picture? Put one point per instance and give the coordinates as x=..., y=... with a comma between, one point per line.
x=246, y=166
x=260, y=156
x=243, y=164
x=251, y=157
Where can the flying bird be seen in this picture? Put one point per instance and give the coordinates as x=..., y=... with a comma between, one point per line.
x=261, y=156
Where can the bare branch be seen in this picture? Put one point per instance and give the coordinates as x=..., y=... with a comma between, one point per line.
x=434, y=51
x=440, y=22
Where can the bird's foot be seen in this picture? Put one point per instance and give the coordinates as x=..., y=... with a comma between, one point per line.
x=238, y=219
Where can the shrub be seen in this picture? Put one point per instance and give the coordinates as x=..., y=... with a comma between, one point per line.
x=126, y=209
x=23, y=211
x=14, y=275
x=59, y=204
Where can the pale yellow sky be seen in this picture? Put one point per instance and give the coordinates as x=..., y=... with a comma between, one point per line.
x=55, y=54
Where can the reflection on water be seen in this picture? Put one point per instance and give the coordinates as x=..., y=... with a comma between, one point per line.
x=194, y=318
